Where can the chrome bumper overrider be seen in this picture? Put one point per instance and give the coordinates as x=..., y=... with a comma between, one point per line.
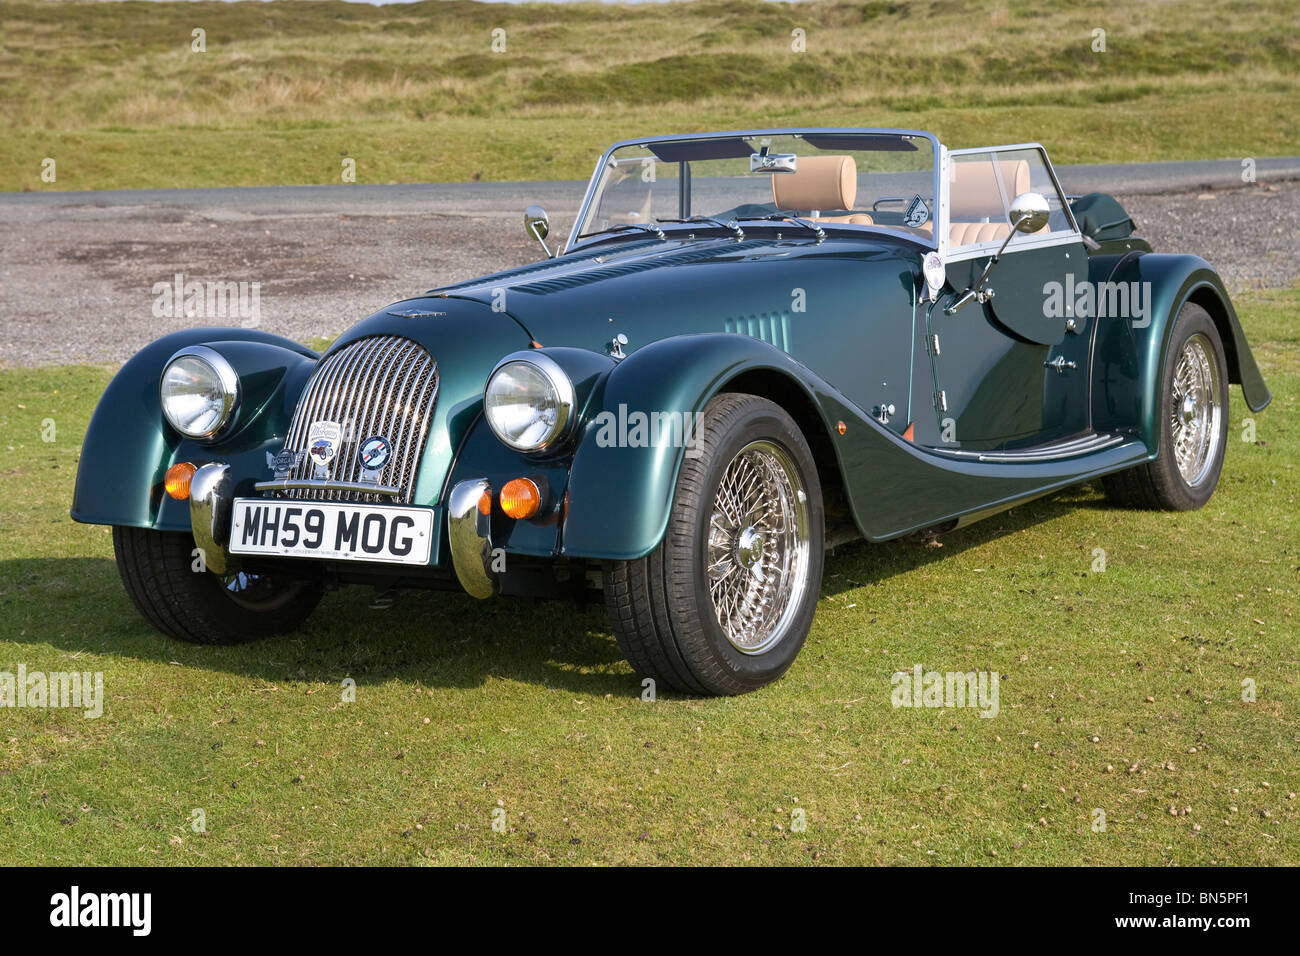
x=470, y=533
x=210, y=514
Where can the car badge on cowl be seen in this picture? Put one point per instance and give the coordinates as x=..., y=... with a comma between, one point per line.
x=323, y=444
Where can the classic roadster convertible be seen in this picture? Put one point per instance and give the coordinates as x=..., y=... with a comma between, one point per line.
x=753, y=346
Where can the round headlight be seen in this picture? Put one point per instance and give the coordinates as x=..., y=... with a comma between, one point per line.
x=528, y=403
x=198, y=391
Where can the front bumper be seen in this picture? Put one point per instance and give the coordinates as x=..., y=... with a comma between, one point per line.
x=468, y=529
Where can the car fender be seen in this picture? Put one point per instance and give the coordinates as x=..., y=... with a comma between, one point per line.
x=1130, y=351
x=129, y=445
x=620, y=494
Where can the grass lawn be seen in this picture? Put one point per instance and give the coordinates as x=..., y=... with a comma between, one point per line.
x=117, y=95
x=1121, y=691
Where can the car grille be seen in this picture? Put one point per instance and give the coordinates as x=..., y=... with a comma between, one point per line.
x=383, y=385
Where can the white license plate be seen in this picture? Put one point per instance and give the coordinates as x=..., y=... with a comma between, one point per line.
x=320, y=529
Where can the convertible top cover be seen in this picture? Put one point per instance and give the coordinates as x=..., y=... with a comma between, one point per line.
x=1101, y=217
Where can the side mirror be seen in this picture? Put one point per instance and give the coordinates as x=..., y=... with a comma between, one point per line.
x=537, y=225
x=1029, y=212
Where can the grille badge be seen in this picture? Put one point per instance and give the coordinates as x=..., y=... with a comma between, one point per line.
x=374, y=453
x=323, y=445
x=283, y=463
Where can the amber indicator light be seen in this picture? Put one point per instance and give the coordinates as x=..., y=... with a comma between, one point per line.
x=177, y=480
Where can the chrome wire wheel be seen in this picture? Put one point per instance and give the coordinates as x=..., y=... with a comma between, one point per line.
x=1195, y=411
x=758, y=547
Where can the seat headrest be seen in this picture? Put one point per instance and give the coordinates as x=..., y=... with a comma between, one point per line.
x=974, y=193
x=821, y=182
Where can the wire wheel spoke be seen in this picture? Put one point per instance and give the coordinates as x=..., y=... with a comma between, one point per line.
x=1195, y=413
x=757, y=548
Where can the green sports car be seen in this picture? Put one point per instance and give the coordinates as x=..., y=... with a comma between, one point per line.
x=753, y=345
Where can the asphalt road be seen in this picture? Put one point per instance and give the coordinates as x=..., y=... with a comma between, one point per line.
x=78, y=270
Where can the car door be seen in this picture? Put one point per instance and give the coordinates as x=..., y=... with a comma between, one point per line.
x=1001, y=375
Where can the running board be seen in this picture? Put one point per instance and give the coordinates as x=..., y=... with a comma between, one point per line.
x=1084, y=445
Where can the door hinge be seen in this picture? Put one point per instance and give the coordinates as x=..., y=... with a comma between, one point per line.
x=941, y=401
x=933, y=343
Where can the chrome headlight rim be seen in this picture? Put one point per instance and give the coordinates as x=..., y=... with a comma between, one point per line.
x=226, y=375
x=565, y=402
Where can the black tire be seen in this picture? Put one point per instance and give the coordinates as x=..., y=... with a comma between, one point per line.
x=661, y=607
x=1161, y=484
x=198, y=606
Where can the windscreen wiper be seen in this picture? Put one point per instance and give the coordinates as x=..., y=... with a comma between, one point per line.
x=624, y=227
x=781, y=217
x=731, y=226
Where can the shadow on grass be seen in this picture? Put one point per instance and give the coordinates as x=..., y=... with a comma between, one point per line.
x=432, y=638
x=877, y=563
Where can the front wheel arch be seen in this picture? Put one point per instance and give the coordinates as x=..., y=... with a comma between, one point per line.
x=619, y=499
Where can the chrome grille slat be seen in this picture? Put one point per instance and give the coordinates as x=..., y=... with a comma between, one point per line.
x=407, y=452
x=312, y=409
x=360, y=370
x=384, y=351
x=325, y=412
x=412, y=442
x=389, y=394
x=380, y=385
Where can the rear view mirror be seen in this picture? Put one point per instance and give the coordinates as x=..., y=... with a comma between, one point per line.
x=765, y=162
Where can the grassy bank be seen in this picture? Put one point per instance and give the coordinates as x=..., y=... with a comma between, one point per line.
x=1121, y=690
x=284, y=92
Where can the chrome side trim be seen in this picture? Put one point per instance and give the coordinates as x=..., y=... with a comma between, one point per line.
x=470, y=534
x=306, y=484
x=210, y=497
x=1064, y=449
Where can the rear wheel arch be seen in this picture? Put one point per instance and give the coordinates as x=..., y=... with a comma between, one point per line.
x=1208, y=299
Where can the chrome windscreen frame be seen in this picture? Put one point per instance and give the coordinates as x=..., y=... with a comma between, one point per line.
x=593, y=185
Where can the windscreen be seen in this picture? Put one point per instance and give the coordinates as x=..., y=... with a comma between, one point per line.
x=847, y=179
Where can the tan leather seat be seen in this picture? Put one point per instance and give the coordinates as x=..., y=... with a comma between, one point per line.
x=821, y=182
x=970, y=233
x=633, y=215
x=975, y=209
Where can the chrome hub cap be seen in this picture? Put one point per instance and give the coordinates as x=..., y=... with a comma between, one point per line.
x=1196, y=413
x=749, y=547
x=757, y=549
